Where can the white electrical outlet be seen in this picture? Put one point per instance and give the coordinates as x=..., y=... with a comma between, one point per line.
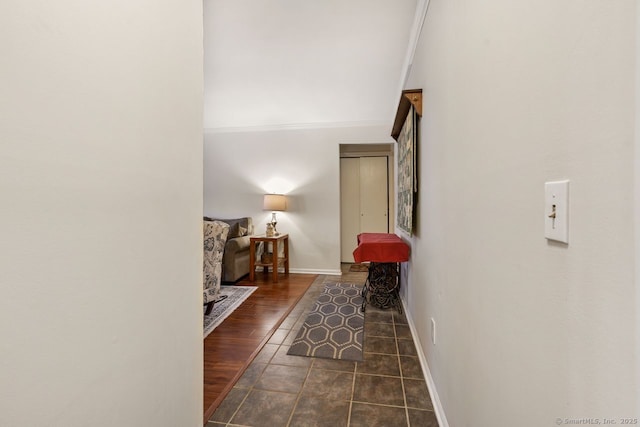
x=433, y=331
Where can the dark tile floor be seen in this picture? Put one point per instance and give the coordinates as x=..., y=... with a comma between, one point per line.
x=387, y=389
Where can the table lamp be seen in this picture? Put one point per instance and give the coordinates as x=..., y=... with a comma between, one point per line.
x=273, y=203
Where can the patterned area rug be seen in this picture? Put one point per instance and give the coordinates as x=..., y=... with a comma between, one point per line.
x=235, y=295
x=335, y=327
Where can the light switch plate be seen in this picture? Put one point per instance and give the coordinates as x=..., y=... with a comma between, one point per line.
x=556, y=211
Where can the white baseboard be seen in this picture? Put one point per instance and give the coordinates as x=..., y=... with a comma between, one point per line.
x=315, y=271
x=305, y=271
x=435, y=399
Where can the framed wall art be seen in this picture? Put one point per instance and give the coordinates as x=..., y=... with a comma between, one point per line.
x=405, y=132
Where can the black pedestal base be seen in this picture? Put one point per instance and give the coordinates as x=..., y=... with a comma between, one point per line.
x=382, y=285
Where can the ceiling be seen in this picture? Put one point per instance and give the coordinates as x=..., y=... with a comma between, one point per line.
x=308, y=63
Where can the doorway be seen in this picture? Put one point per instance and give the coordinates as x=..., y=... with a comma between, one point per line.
x=366, y=193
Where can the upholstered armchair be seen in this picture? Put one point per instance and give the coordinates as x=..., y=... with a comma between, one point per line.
x=215, y=237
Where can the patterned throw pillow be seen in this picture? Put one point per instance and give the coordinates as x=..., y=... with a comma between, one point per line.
x=236, y=228
x=234, y=231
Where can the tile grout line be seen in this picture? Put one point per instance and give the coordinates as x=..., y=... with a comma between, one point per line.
x=386, y=405
x=302, y=314
x=353, y=381
x=355, y=366
x=404, y=390
x=306, y=377
x=240, y=405
x=299, y=394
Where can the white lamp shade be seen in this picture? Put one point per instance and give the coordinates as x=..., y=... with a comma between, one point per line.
x=275, y=202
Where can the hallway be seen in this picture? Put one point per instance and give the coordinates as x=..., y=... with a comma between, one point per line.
x=387, y=389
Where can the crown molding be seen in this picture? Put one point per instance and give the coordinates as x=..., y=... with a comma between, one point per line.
x=416, y=30
x=296, y=126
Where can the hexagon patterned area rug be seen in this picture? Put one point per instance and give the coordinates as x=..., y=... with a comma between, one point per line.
x=335, y=327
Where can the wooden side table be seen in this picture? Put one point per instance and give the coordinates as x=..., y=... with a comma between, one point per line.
x=275, y=241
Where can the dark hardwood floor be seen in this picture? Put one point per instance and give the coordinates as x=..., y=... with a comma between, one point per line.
x=231, y=347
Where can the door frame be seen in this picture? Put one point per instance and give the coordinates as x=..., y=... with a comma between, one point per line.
x=373, y=149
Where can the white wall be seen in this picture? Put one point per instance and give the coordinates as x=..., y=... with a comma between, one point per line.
x=101, y=184
x=516, y=94
x=304, y=164
x=636, y=169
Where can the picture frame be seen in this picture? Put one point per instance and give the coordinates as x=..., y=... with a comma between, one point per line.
x=405, y=132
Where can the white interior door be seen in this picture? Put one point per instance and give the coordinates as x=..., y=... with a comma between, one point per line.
x=364, y=200
x=373, y=195
x=349, y=207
